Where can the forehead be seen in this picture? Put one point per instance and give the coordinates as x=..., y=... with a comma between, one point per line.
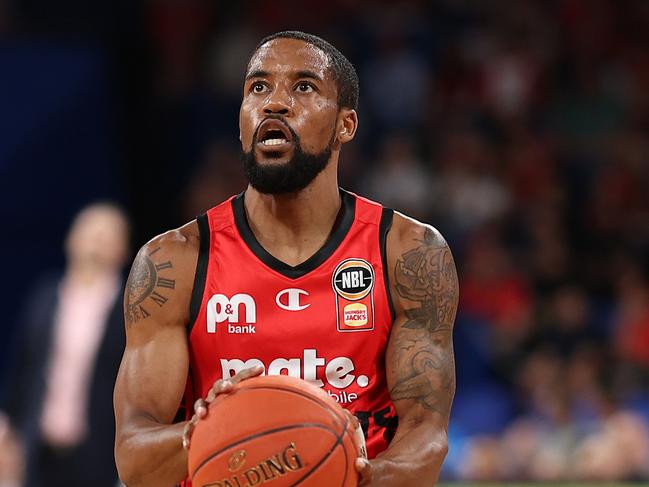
x=99, y=217
x=287, y=56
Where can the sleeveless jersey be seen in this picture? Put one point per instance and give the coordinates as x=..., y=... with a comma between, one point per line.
x=327, y=320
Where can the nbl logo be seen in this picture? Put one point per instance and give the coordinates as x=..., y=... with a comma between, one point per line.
x=353, y=282
x=353, y=279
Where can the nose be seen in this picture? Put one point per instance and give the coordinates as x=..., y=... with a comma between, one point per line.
x=278, y=103
x=275, y=109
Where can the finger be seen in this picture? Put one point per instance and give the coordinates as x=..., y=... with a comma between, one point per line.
x=247, y=373
x=219, y=387
x=223, y=386
x=364, y=468
x=200, y=408
x=352, y=419
x=187, y=433
x=211, y=395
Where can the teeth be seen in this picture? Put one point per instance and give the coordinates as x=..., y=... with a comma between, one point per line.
x=274, y=141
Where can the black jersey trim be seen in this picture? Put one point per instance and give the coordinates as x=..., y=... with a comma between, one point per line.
x=338, y=233
x=201, y=269
x=387, y=216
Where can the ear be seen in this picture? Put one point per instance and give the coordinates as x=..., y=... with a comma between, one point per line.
x=347, y=125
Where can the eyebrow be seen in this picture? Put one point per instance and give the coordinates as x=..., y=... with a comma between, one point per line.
x=308, y=74
x=300, y=74
x=257, y=74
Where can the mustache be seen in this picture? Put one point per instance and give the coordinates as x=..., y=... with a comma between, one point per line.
x=280, y=119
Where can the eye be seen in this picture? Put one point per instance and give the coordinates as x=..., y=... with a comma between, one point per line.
x=304, y=87
x=258, y=87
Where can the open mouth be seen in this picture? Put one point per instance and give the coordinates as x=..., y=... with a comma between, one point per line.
x=274, y=137
x=273, y=134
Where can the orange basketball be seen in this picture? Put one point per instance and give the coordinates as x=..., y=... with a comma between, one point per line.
x=277, y=431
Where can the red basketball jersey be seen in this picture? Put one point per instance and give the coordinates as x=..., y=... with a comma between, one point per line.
x=327, y=320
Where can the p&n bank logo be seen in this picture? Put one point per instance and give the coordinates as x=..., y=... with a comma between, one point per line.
x=220, y=308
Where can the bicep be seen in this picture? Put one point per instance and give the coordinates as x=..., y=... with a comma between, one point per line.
x=153, y=372
x=152, y=375
x=419, y=360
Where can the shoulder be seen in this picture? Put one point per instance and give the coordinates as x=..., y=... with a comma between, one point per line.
x=176, y=249
x=421, y=266
x=179, y=240
x=161, y=279
x=407, y=233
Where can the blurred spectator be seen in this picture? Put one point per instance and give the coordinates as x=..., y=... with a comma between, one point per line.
x=566, y=321
x=631, y=322
x=177, y=30
x=493, y=289
x=397, y=80
x=219, y=176
x=550, y=261
x=483, y=460
x=399, y=179
x=58, y=395
x=619, y=450
x=470, y=191
x=11, y=455
x=531, y=168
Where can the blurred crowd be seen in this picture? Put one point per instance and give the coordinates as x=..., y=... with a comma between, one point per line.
x=520, y=130
x=526, y=144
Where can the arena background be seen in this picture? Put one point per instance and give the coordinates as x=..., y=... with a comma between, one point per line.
x=518, y=128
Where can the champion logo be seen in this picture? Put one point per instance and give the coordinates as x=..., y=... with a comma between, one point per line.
x=289, y=299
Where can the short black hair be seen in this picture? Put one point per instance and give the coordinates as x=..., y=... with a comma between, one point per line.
x=342, y=70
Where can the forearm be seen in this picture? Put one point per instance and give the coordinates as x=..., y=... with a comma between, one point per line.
x=150, y=454
x=414, y=458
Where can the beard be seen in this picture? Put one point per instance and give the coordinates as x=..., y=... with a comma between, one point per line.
x=289, y=177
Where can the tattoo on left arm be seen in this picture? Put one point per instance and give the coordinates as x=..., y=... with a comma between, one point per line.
x=423, y=360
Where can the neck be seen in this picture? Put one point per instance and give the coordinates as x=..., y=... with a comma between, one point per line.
x=294, y=226
x=88, y=274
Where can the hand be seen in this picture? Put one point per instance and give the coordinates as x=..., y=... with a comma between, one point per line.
x=363, y=465
x=379, y=473
x=221, y=386
x=365, y=472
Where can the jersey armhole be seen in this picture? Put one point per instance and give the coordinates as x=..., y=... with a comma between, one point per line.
x=384, y=227
x=201, y=270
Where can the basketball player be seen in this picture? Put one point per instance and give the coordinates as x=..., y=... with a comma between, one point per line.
x=293, y=276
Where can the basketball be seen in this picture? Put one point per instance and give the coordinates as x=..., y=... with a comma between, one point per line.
x=277, y=431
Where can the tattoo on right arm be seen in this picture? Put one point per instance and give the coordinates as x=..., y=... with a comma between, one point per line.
x=146, y=287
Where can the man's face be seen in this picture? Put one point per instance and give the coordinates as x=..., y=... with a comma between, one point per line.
x=288, y=115
x=99, y=236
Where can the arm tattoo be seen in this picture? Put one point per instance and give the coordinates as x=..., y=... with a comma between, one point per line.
x=424, y=276
x=423, y=350
x=145, y=287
